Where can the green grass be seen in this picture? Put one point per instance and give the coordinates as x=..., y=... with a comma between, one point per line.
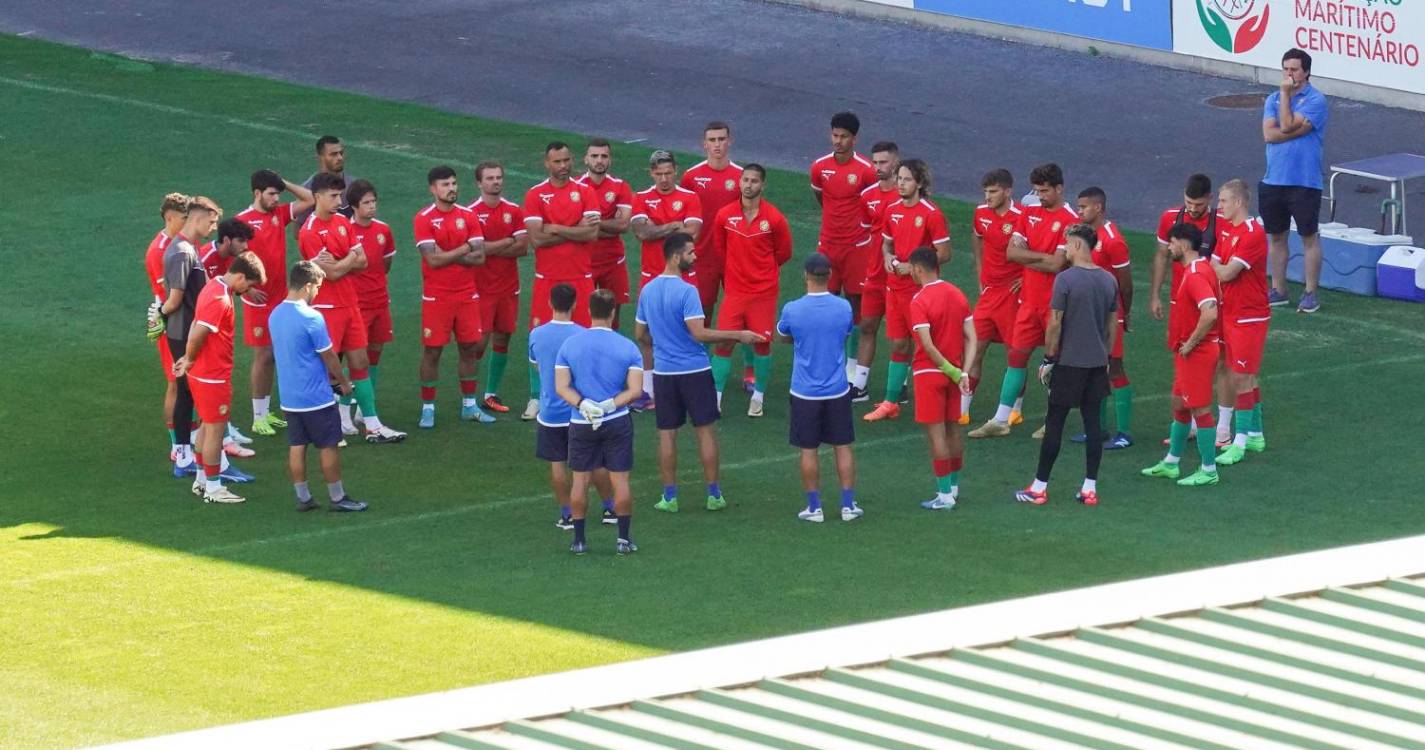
x=130, y=609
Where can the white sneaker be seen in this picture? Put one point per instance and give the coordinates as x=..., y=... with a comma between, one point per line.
x=347, y=426
x=384, y=434
x=199, y=485
x=237, y=436
x=754, y=408
x=939, y=503
x=223, y=495
x=852, y=513
x=531, y=410
x=814, y=516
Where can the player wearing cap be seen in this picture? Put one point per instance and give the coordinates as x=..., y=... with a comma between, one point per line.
x=1111, y=254
x=373, y=296
x=910, y=223
x=599, y=372
x=450, y=242
x=615, y=202
x=837, y=180
x=820, y=400
x=755, y=239
x=174, y=212
x=945, y=341
x=498, y=279
x=269, y=219
x=1196, y=335
x=659, y=211
x=875, y=199
x=992, y=226
x=1037, y=244
x=1240, y=264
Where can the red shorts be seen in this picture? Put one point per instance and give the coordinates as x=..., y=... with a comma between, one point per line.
x=539, y=310
x=1245, y=343
x=212, y=400
x=254, y=323
x=994, y=315
x=708, y=280
x=873, y=302
x=378, y=324
x=1117, y=351
x=898, y=312
x=1030, y=323
x=498, y=312
x=440, y=317
x=165, y=357
x=1194, y=377
x=756, y=314
x=615, y=279
x=936, y=398
x=344, y=325
x=691, y=277
x=848, y=267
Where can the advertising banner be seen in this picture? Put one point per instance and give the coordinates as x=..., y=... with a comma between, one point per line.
x=1374, y=42
x=1144, y=23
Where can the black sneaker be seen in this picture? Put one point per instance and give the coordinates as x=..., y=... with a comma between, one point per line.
x=305, y=505
x=564, y=522
x=347, y=505
x=609, y=518
x=859, y=395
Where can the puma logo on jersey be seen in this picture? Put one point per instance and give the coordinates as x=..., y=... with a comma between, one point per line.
x=702, y=181
x=1033, y=220
x=546, y=197
x=985, y=222
x=436, y=222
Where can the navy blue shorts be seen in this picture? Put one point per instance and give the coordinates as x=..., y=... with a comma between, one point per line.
x=1280, y=204
x=551, y=443
x=609, y=447
x=680, y=398
x=817, y=422
x=321, y=427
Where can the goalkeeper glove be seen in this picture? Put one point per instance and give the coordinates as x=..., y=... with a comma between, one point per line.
x=608, y=406
x=952, y=372
x=156, y=324
x=590, y=410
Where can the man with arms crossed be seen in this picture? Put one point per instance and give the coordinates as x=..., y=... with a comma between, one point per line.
x=992, y=227
x=1293, y=124
x=615, y=202
x=875, y=199
x=373, y=295
x=659, y=211
x=498, y=279
x=1240, y=264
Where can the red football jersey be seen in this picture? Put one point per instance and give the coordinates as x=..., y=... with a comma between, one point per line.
x=910, y=227
x=1199, y=287
x=1205, y=223
x=335, y=236
x=941, y=307
x=610, y=195
x=1044, y=232
x=665, y=208
x=153, y=264
x=754, y=251
x=1111, y=253
x=874, y=202
x=994, y=230
x=269, y=243
x=214, y=311
x=715, y=188
x=214, y=262
x=840, y=186
x=370, y=282
x=499, y=276
x=565, y=206
x=1244, y=299
x=448, y=230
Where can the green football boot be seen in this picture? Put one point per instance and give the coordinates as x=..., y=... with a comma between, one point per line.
x=715, y=502
x=1198, y=478
x=666, y=505
x=1162, y=469
x=1256, y=443
x=1231, y=455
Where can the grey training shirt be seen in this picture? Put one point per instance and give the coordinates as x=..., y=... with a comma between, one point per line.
x=1086, y=296
x=182, y=270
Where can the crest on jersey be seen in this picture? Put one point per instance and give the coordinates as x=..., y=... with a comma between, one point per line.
x=1007, y=228
x=919, y=221
x=257, y=331
x=460, y=224
x=677, y=205
x=508, y=217
x=223, y=409
x=341, y=229
x=381, y=239
x=274, y=221
x=609, y=197
x=574, y=196
x=425, y=332
x=729, y=185
x=851, y=178
x=765, y=226
x=1056, y=226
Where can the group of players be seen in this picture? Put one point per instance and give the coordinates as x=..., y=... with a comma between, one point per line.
x=710, y=242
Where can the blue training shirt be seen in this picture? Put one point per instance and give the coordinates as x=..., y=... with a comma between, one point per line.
x=1297, y=162
x=544, y=344
x=299, y=336
x=818, y=324
x=598, y=361
x=666, y=305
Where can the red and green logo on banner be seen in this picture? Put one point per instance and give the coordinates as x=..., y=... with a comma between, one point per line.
x=1234, y=25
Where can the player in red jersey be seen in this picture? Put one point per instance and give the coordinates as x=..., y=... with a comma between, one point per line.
x=1111, y=254
x=658, y=211
x=1196, y=335
x=754, y=238
x=173, y=211
x=268, y=219
x=615, y=202
x=217, y=256
x=328, y=239
x=716, y=180
x=910, y=223
x=837, y=180
x=506, y=241
x=992, y=226
x=1241, y=266
x=1037, y=244
x=207, y=363
x=945, y=342
x=875, y=199
x=373, y=297
x=450, y=242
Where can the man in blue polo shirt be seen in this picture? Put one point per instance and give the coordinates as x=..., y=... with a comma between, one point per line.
x=817, y=326
x=599, y=372
x=1293, y=125
x=670, y=319
x=306, y=368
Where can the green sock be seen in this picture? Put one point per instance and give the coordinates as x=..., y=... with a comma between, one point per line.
x=1207, y=448
x=1014, y=378
x=1256, y=426
x=748, y=354
x=1177, y=438
x=1123, y=409
x=533, y=381
x=954, y=479
x=498, y=360
x=895, y=380
x=721, y=368
x=372, y=372
x=365, y=395
x=350, y=398
x=1242, y=421
x=944, y=484
x=172, y=438
x=762, y=370
x=431, y=384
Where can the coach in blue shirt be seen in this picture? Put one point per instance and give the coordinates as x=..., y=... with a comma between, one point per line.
x=1293, y=125
x=817, y=326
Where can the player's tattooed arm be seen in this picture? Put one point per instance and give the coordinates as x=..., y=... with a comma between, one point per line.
x=437, y=258
x=617, y=224
x=647, y=231
x=475, y=256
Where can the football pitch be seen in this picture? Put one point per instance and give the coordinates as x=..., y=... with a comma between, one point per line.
x=130, y=609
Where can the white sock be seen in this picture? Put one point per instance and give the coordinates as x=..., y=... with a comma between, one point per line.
x=1170, y=458
x=432, y=406
x=185, y=454
x=1002, y=413
x=648, y=383
x=1224, y=424
x=946, y=496
x=1240, y=440
x=488, y=394
x=467, y=401
x=260, y=407
x=1254, y=434
x=852, y=364
x=859, y=378
x=1019, y=404
x=965, y=399
x=373, y=423
x=1090, y=485
x=1038, y=486
x=758, y=396
x=213, y=483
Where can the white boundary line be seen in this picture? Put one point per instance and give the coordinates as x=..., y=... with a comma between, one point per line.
x=807, y=653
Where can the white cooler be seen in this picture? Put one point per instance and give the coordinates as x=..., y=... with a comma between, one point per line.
x=1400, y=273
